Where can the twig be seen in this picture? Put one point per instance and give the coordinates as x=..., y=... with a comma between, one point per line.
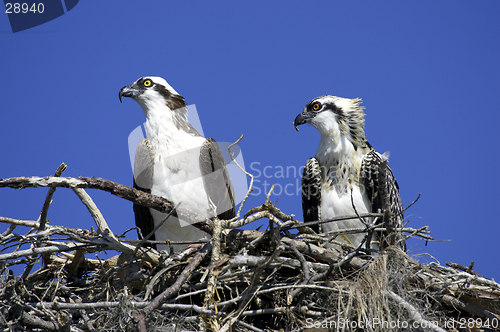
x=17, y=222
x=467, y=307
x=101, y=223
x=406, y=208
x=305, y=271
x=270, y=311
x=135, y=304
x=240, y=261
x=178, y=256
x=416, y=232
x=77, y=299
x=341, y=218
x=346, y=259
x=148, y=236
x=321, y=254
x=43, y=219
x=260, y=291
x=247, y=292
x=31, y=320
x=106, y=231
x=477, y=279
x=250, y=188
x=463, y=268
x=114, y=304
x=48, y=198
x=415, y=315
x=216, y=252
x=166, y=294
x=266, y=210
x=43, y=250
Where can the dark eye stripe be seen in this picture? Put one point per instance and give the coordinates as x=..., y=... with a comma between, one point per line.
x=334, y=109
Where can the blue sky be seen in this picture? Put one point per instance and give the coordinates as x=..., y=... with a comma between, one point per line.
x=428, y=73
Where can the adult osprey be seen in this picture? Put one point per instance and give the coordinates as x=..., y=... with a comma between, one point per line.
x=174, y=161
x=347, y=175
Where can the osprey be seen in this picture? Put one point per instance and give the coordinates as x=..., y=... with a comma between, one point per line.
x=175, y=162
x=347, y=176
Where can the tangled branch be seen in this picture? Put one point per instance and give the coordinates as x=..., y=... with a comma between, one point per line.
x=284, y=277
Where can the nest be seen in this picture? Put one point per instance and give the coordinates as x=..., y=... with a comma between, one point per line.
x=241, y=280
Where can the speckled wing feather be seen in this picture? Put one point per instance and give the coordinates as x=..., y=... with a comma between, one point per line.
x=311, y=192
x=380, y=185
x=143, y=180
x=216, y=179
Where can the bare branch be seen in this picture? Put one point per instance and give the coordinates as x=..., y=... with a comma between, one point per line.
x=169, y=292
x=250, y=188
x=415, y=315
x=48, y=199
x=134, y=195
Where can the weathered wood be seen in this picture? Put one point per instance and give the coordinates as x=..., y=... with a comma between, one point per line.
x=131, y=194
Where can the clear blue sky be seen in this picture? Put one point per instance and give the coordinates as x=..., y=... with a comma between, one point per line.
x=427, y=71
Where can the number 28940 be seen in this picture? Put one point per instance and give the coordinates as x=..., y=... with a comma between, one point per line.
x=23, y=8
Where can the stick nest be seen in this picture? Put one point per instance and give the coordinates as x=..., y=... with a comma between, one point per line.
x=241, y=280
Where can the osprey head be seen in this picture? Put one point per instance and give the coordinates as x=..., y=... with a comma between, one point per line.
x=332, y=115
x=150, y=91
x=158, y=98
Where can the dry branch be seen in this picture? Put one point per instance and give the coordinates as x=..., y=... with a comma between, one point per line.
x=134, y=195
x=169, y=292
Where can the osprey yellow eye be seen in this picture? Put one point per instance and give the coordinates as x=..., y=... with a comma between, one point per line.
x=316, y=106
x=147, y=83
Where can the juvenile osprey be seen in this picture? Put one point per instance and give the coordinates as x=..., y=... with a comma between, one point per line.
x=346, y=171
x=174, y=161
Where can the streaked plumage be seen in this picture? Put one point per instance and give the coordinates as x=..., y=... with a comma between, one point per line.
x=174, y=161
x=346, y=171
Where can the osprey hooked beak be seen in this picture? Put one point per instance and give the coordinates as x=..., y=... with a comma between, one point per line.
x=302, y=118
x=129, y=91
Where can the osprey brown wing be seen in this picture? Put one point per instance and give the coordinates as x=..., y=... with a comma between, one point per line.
x=216, y=179
x=311, y=192
x=143, y=180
